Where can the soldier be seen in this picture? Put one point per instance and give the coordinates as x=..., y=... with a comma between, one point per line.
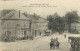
x=57, y=44
x=51, y=45
x=77, y=44
x=72, y=43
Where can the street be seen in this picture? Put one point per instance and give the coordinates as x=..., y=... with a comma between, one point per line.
x=39, y=44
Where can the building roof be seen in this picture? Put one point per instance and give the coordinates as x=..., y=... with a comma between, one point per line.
x=32, y=17
x=5, y=11
x=14, y=15
x=42, y=20
x=35, y=18
x=75, y=24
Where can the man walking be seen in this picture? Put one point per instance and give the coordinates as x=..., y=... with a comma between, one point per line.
x=52, y=43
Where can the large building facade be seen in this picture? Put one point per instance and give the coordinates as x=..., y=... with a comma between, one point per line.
x=15, y=24
x=18, y=25
x=38, y=25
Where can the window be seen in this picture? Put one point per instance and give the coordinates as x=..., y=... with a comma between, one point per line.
x=18, y=24
x=8, y=33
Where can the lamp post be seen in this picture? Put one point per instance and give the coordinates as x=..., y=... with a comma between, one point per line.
x=30, y=26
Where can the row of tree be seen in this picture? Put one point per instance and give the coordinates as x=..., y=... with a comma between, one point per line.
x=58, y=23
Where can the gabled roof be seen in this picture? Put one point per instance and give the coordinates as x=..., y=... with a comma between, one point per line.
x=32, y=17
x=6, y=11
x=42, y=20
x=14, y=15
x=35, y=18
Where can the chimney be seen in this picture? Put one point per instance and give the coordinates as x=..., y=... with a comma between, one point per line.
x=19, y=13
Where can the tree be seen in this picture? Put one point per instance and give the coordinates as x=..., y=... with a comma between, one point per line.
x=50, y=24
x=71, y=18
x=60, y=24
x=55, y=23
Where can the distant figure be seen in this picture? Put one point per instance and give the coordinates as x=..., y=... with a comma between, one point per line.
x=65, y=36
x=69, y=39
x=31, y=37
x=40, y=33
x=27, y=37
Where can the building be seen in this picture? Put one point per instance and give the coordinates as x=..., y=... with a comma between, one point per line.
x=21, y=25
x=75, y=27
x=15, y=24
x=43, y=25
x=38, y=24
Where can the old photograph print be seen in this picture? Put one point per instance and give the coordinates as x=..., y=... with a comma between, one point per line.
x=39, y=25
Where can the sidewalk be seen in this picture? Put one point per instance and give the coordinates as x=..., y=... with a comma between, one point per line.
x=38, y=37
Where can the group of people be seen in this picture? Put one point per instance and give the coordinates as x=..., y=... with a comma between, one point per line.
x=54, y=43
x=75, y=42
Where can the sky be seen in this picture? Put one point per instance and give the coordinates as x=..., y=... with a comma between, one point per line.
x=59, y=6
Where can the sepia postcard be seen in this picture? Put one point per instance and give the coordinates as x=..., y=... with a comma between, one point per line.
x=39, y=25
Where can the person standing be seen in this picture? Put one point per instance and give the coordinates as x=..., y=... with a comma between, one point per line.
x=51, y=45
x=58, y=44
x=65, y=36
